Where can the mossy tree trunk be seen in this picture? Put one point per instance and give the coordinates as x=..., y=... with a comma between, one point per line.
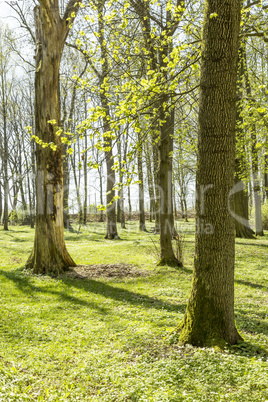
x=209, y=318
x=49, y=254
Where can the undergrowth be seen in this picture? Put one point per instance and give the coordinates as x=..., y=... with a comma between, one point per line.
x=111, y=339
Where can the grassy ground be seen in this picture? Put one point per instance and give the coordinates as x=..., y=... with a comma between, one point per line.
x=108, y=339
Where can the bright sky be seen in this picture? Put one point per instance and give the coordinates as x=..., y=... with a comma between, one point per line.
x=6, y=13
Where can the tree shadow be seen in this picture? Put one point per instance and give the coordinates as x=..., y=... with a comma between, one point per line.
x=121, y=294
x=249, y=350
x=252, y=244
x=24, y=284
x=252, y=285
x=254, y=325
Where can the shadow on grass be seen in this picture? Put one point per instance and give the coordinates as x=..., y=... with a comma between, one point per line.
x=25, y=285
x=15, y=238
x=256, y=244
x=252, y=285
x=249, y=350
x=252, y=325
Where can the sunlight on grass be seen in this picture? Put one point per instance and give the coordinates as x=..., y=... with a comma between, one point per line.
x=108, y=339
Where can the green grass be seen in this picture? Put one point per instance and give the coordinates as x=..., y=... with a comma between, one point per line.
x=109, y=339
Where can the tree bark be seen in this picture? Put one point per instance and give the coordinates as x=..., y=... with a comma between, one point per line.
x=209, y=318
x=49, y=254
x=142, y=226
x=111, y=227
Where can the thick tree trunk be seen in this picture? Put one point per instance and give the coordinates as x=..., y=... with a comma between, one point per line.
x=49, y=254
x=209, y=318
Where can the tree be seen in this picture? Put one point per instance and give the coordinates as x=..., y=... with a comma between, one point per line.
x=209, y=317
x=49, y=254
x=242, y=225
x=4, y=66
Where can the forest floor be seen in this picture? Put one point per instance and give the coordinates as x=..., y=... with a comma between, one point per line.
x=104, y=331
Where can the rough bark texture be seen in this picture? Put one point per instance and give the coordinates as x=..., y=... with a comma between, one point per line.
x=209, y=318
x=49, y=254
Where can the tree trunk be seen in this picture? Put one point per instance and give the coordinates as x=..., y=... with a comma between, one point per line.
x=111, y=227
x=5, y=146
x=77, y=186
x=66, y=186
x=209, y=318
x=255, y=159
x=150, y=182
x=49, y=254
x=167, y=255
x=101, y=219
x=242, y=226
x=141, y=188
x=156, y=185
x=129, y=203
x=266, y=175
x=85, y=171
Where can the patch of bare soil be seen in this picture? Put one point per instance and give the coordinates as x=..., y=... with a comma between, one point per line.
x=106, y=271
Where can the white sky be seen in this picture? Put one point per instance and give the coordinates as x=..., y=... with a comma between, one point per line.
x=6, y=13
